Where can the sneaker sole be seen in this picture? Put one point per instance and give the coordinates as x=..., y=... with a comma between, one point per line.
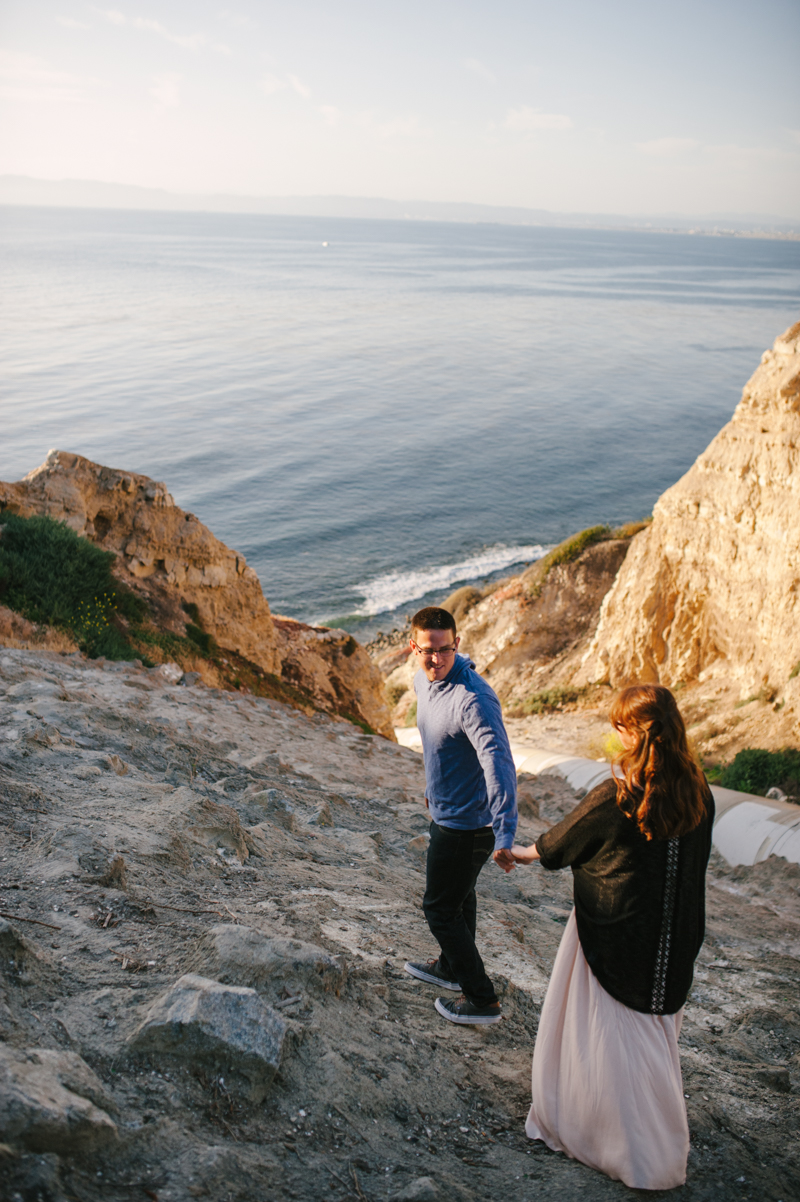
x=430, y=978
x=467, y=1020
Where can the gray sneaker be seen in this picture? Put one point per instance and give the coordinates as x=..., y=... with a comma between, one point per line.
x=431, y=973
x=459, y=1010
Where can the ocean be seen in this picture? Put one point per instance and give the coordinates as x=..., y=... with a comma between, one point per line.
x=374, y=412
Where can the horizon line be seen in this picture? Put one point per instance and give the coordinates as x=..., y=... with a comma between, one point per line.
x=752, y=223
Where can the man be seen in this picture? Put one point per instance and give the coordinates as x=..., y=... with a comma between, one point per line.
x=471, y=792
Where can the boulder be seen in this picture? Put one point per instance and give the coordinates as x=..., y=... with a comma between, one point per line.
x=51, y=1101
x=711, y=587
x=272, y=964
x=223, y=1027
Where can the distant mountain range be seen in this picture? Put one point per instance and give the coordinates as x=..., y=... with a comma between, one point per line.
x=95, y=194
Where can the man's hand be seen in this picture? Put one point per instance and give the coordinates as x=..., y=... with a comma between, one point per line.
x=504, y=859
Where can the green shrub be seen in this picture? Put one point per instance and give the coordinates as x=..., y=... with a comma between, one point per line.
x=200, y=638
x=755, y=771
x=565, y=552
x=191, y=609
x=411, y=716
x=549, y=699
x=52, y=576
x=629, y=529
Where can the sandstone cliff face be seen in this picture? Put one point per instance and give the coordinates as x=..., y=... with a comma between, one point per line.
x=163, y=553
x=171, y=559
x=530, y=633
x=711, y=587
x=335, y=669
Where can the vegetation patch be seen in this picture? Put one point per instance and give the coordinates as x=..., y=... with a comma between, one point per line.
x=628, y=529
x=53, y=577
x=572, y=548
x=756, y=771
x=565, y=552
x=548, y=700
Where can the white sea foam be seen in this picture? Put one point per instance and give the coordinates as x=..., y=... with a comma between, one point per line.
x=385, y=593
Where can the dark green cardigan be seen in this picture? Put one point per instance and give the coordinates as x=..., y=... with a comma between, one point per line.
x=639, y=904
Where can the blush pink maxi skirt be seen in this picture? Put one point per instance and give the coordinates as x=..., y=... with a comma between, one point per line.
x=607, y=1086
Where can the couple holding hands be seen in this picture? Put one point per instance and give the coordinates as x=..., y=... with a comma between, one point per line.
x=606, y=1078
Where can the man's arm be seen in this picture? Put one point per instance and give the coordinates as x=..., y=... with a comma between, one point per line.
x=483, y=725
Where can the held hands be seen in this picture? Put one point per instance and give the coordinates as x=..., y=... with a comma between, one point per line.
x=504, y=859
x=524, y=855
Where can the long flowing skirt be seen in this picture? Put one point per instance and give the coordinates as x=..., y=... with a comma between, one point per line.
x=607, y=1086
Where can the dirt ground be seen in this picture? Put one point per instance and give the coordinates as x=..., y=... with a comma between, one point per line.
x=236, y=811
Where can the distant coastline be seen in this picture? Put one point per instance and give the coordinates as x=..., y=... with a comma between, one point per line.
x=26, y=191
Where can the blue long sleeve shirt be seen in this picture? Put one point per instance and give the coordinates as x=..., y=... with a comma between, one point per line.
x=469, y=770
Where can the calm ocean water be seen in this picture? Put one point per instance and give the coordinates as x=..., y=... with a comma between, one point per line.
x=374, y=411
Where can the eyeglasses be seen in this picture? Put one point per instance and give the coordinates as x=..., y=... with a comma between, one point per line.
x=430, y=652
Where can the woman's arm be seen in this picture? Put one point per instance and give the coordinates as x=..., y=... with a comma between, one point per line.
x=525, y=855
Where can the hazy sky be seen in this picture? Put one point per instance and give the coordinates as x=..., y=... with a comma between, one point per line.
x=625, y=106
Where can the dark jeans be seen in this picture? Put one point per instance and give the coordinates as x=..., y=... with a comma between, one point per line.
x=455, y=859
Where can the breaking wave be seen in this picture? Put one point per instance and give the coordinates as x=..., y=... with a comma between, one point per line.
x=386, y=593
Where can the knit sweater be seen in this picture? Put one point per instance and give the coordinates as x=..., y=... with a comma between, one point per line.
x=639, y=904
x=470, y=779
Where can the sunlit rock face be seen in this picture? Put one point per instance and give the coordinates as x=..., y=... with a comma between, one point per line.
x=169, y=557
x=162, y=551
x=711, y=587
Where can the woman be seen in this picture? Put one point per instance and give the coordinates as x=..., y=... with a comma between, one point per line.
x=607, y=1086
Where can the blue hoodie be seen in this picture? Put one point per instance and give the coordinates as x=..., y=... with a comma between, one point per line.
x=469, y=770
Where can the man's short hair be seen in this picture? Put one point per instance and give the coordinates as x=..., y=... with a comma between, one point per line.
x=433, y=618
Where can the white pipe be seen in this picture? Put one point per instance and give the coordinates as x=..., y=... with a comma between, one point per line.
x=747, y=828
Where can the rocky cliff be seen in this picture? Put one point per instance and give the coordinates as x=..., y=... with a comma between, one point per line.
x=710, y=589
x=530, y=633
x=169, y=558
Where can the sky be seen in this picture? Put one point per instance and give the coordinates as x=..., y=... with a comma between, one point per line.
x=621, y=106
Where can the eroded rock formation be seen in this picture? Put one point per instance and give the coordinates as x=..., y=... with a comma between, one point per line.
x=530, y=634
x=711, y=587
x=172, y=560
x=162, y=551
x=527, y=635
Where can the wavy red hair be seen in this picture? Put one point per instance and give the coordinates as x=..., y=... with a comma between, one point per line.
x=662, y=787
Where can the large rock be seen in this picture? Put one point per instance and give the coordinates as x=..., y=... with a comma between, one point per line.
x=711, y=587
x=51, y=1101
x=219, y=1026
x=239, y=955
x=163, y=552
x=336, y=670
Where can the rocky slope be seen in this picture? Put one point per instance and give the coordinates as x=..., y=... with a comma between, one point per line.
x=207, y=900
x=175, y=563
x=710, y=589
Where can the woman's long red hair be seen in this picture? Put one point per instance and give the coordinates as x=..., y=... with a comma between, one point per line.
x=662, y=787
